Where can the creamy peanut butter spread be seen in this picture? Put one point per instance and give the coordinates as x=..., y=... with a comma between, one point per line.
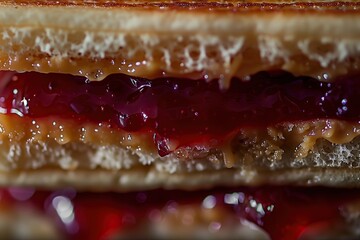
x=288, y=141
x=63, y=131
x=157, y=66
x=244, y=147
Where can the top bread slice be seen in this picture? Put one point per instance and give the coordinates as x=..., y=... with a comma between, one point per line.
x=193, y=39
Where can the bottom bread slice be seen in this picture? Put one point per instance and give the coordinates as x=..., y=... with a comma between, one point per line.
x=100, y=168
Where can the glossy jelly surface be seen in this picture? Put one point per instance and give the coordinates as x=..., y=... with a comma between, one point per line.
x=186, y=112
x=283, y=212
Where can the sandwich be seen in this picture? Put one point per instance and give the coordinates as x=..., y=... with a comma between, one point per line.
x=126, y=96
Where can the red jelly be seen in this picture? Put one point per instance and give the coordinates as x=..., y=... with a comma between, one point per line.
x=179, y=109
x=284, y=213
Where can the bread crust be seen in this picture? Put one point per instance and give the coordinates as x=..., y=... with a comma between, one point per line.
x=150, y=178
x=269, y=5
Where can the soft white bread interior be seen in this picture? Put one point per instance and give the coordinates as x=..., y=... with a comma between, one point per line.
x=327, y=165
x=232, y=38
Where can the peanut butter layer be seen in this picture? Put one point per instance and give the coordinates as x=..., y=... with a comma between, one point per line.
x=87, y=145
x=96, y=69
x=63, y=131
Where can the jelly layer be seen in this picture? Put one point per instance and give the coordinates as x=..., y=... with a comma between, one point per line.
x=284, y=213
x=178, y=112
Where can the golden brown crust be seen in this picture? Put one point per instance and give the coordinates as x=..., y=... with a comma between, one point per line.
x=213, y=6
